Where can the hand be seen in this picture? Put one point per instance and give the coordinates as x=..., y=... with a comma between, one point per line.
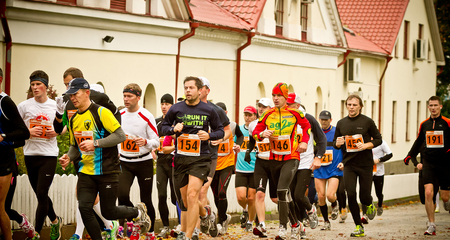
x=1, y=139
x=50, y=133
x=154, y=156
x=140, y=142
x=419, y=166
x=406, y=160
x=316, y=164
x=340, y=166
x=236, y=148
x=267, y=133
x=64, y=161
x=87, y=146
x=216, y=142
x=361, y=146
x=60, y=105
x=36, y=131
x=203, y=135
x=302, y=147
x=247, y=157
x=340, y=141
x=178, y=127
x=375, y=161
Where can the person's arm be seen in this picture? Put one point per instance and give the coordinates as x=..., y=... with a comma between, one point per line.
x=167, y=127
x=319, y=136
x=416, y=147
x=19, y=130
x=306, y=126
x=337, y=137
x=388, y=153
x=239, y=136
x=376, y=136
x=152, y=138
x=217, y=129
x=113, y=139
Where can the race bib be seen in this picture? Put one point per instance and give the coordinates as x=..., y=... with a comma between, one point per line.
x=327, y=158
x=224, y=148
x=280, y=145
x=161, y=141
x=374, y=168
x=129, y=146
x=81, y=136
x=351, y=141
x=263, y=146
x=70, y=113
x=188, y=144
x=244, y=144
x=46, y=125
x=299, y=137
x=435, y=139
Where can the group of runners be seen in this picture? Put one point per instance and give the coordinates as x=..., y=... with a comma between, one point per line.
x=279, y=148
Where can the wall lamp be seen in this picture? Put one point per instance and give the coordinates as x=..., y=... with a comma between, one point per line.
x=108, y=39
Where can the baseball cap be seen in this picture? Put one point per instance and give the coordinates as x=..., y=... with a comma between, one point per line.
x=181, y=98
x=250, y=109
x=97, y=87
x=325, y=115
x=205, y=82
x=77, y=84
x=294, y=98
x=167, y=98
x=266, y=102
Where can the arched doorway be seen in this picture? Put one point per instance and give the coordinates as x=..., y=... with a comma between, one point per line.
x=150, y=99
x=319, y=102
x=260, y=92
x=291, y=88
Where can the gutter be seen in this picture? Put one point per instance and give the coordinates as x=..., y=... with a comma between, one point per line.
x=345, y=58
x=388, y=59
x=238, y=74
x=8, y=42
x=193, y=26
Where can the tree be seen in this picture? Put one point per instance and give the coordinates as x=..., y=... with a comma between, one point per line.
x=443, y=80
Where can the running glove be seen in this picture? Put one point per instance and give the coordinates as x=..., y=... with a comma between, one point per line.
x=247, y=157
x=406, y=160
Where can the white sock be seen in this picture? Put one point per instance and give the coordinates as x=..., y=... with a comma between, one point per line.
x=80, y=225
x=108, y=224
x=263, y=224
x=246, y=209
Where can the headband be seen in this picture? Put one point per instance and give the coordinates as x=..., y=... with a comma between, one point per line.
x=133, y=91
x=36, y=78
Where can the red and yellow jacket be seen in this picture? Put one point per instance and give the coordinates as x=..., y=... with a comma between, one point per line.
x=283, y=121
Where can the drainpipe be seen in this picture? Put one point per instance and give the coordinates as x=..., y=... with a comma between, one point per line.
x=193, y=26
x=8, y=42
x=442, y=69
x=238, y=74
x=345, y=58
x=388, y=59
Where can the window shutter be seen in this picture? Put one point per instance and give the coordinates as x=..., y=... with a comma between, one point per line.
x=118, y=5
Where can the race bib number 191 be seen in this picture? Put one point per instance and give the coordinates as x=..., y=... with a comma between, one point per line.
x=435, y=139
x=188, y=145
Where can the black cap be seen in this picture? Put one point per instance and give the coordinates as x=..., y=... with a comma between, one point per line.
x=325, y=115
x=222, y=105
x=167, y=98
x=77, y=84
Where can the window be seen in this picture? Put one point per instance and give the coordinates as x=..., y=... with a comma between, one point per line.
x=316, y=110
x=420, y=31
x=279, y=17
x=374, y=108
x=118, y=5
x=418, y=118
x=343, y=108
x=407, y=120
x=74, y=2
x=406, y=41
x=365, y=109
x=394, y=123
x=304, y=20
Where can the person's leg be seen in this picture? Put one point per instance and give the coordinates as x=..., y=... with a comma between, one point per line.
x=341, y=195
x=429, y=205
x=215, y=188
x=12, y=214
x=193, y=191
x=87, y=192
x=251, y=195
x=126, y=179
x=285, y=176
x=365, y=185
x=378, y=182
x=145, y=180
x=350, y=186
x=224, y=181
x=261, y=174
x=5, y=224
x=320, y=187
x=241, y=183
x=421, y=185
x=161, y=185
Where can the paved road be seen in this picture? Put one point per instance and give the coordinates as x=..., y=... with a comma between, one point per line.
x=406, y=221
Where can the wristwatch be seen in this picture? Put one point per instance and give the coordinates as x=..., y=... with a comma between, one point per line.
x=96, y=143
x=3, y=135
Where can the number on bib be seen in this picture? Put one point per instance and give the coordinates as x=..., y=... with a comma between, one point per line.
x=81, y=136
x=435, y=139
x=188, y=144
x=327, y=158
x=46, y=125
x=129, y=146
x=351, y=142
x=224, y=148
x=244, y=144
x=280, y=145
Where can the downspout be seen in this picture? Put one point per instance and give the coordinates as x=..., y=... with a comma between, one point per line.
x=193, y=26
x=345, y=58
x=8, y=42
x=388, y=59
x=238, y=74
x=442, y=69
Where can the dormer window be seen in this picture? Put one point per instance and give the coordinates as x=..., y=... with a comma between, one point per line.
x=304, y=20
x=279, y=17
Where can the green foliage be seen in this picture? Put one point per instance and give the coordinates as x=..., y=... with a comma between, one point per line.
x=443, y=80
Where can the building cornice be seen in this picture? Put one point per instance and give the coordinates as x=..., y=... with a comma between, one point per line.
x=434, y=29
x=336, y=22
x=296, y=46
x=219, y=35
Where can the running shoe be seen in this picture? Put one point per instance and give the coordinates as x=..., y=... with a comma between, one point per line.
x=120, y=232
x=196, y=234
x=326, y=226
x=36, y=236
x=437, y=209
x=164, y=233
x=371, y=211
x=129, y=229
x=181, y=236
x=359, y=231
x=112, y=233
x=260, y=231
x=302, y=232
x=343, y=215
x=281, y=233
x=26, y=226
x=150, y=236
x=447, y=205
x=248, y=227
x=225, y=223
x=379, y=211
x=335, y=211
x=135, y=235
x=75, y=237
x=213, y=231
x=296, y=231
x=313, y=219
x=144, y=221
x=364, y=219
x=55, y=232
x=174, y=233
x=204, y=221
x=244, y=219
x=305, y=222
x=431, y=230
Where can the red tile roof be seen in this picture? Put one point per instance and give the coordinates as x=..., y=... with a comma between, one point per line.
x=211, y=13
x=248, y=10
x=356, y=41
x=376, y=20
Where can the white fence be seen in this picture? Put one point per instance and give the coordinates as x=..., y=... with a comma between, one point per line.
x=62, y=193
